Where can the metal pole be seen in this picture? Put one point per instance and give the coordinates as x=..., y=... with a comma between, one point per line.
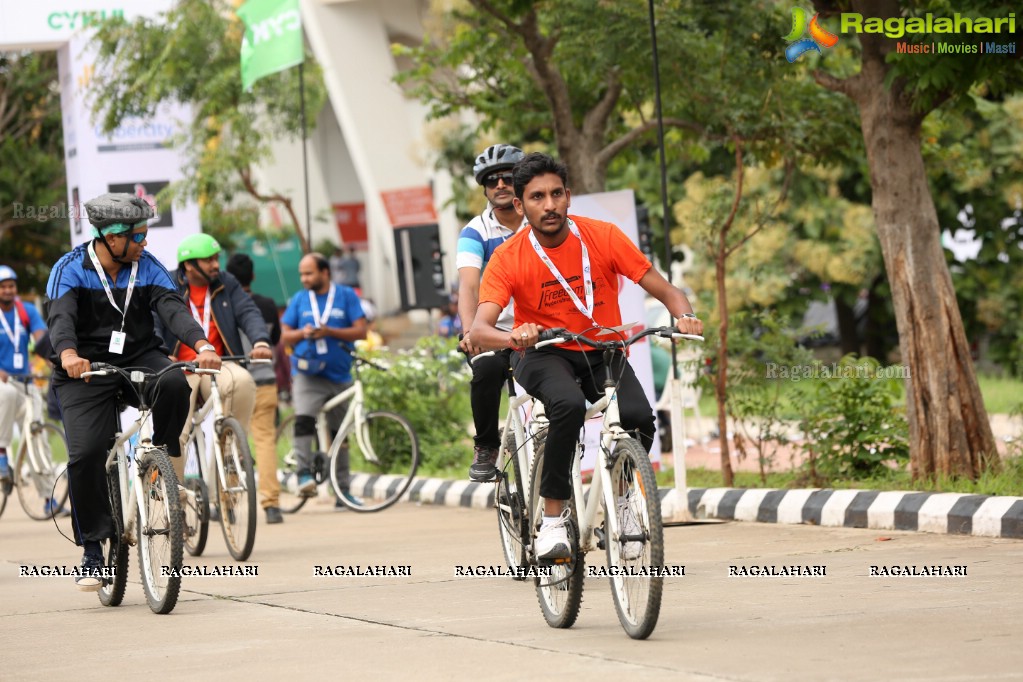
x=660, y=144
x=305, y=161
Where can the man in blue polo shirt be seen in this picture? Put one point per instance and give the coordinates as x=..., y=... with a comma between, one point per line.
x=19, y=321
x=320, y=324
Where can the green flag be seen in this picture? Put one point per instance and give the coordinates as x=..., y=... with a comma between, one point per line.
x=273, y=38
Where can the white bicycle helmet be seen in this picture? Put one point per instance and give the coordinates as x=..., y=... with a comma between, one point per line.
x=494, y=158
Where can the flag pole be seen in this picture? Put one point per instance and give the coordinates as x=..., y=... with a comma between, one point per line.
x=305, y=161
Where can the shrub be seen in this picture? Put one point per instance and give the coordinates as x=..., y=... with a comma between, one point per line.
x=853, y=425
x=429, y=385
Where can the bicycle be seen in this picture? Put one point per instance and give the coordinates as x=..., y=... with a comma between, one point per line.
x=39, y=465
x=623, y=482
x=519, y=442
x=232, y=476
x=377, y=451
x=146, y=483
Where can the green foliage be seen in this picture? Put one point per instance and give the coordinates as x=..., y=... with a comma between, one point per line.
x=429, y=385
x=32, y=177
x=756, y=402
x=852, y=424
x=191, y=54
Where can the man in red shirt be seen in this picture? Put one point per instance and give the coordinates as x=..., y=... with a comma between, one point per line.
x=223, y=309
x=563, y=272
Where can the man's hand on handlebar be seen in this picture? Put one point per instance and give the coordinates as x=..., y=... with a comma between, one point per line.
x=74, y=365
x=261, y=352
x=208, y=359
x=466, y=345
x=525, y=336
x=689, y=325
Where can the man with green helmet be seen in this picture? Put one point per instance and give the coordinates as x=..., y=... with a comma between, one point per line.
x=223, y=309
x=102, y=298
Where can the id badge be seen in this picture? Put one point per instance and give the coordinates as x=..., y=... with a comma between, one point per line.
x=117, y=342
x=321, y=346
x=19, y=361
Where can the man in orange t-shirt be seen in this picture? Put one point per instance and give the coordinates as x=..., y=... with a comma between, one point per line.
x=563, y=272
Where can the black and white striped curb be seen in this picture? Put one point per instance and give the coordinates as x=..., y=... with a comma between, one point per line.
x=956, y=513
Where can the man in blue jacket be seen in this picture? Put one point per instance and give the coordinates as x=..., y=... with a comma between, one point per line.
x=101, y=300
x=223, y=309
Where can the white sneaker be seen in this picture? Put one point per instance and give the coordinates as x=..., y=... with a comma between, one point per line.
x=552, y=540
x=628, y=524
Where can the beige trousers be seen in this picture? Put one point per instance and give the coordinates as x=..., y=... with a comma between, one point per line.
x=263, y=433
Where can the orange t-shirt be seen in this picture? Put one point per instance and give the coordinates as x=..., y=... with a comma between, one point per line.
x=197, y=295
x=516, y=271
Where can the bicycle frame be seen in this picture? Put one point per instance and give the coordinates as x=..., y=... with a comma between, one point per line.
x=119, y=458
x=215, y=405
x=355, y=414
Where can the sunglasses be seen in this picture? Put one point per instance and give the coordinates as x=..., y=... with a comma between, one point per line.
x=139, y=237
x=491, y=182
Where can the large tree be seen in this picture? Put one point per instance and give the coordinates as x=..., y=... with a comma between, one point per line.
x=191, y=54
x=949, y=429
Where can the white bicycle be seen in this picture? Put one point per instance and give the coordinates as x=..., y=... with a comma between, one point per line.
x=38, y=469
x=624, y=490
x=231, y=476
x=144, y=502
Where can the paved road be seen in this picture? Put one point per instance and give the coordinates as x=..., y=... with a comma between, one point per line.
x=288, y=622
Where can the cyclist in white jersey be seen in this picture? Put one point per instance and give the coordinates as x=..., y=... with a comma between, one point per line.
x=476, y=244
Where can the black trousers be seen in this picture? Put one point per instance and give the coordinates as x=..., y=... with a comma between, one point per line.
x=550, y=374
x=488, y=380
x=92, y=419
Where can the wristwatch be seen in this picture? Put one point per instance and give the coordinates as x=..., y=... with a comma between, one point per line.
x=692, y=315
x=205, y=347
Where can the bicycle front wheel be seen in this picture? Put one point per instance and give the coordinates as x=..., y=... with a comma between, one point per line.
x=42, y=481
x=287, y=467
x=237, y=494
x=375, y=478
x=561, y=593
x=637, y=546
x=161, y=535
x=115, y=549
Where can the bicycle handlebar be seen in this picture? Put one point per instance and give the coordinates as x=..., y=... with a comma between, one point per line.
x=245, y=360
x=561, y=335
x=140, y=375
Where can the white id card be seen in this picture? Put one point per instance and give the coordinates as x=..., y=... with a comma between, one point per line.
x=321, y=346
x=19, y=361
x=117, y=342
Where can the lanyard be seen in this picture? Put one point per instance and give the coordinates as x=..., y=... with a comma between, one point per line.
x=106, y=284
x=321, y=320
x=14, y=336
x=586, y=310
x=205, y=321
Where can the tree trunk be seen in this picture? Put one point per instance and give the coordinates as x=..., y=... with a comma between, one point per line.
x=721, y=385
x=849, y=339
x=948, y=426
x=877, y=322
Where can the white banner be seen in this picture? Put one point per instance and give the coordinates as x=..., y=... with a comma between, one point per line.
x=49, y=24
x=136, y=158
x=620, y=208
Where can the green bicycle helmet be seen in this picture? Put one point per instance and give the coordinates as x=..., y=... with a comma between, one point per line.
x=197, y=246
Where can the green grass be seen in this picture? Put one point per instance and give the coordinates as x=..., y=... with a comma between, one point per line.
x=1002, y=395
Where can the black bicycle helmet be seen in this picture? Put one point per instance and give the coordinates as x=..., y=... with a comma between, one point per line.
x=494, y=158
x=121, y=212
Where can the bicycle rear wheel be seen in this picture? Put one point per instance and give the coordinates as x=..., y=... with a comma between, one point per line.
x=115, y=549
x=512, y=520
x=42, y=485
x=161, y=537
x=560, y=594
x=377, y=478
x=638, y=545
x=287, y=467
x=237, y=491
